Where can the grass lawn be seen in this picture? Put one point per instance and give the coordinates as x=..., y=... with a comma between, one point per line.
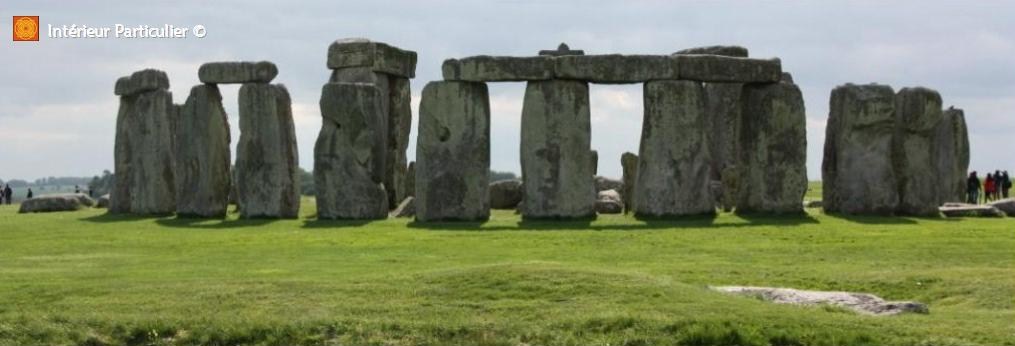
x=89, y=278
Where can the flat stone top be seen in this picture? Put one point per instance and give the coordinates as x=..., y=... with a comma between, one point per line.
x=734, y=51
x=141, y=81
x=614, y=68
x=378, y=56
x=237, y=72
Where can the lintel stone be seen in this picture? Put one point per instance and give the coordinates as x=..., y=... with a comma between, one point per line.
x=485, y=68
x=380, y=57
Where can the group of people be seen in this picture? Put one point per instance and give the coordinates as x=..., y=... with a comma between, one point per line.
x=6, y=194
x=995, y=187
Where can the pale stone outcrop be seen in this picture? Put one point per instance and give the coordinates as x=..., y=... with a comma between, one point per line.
x=59, y=202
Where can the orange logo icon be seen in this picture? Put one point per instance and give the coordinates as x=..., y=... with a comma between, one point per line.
x=26, y=28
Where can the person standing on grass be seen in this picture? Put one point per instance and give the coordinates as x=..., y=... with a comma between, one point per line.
x=988, y=188
x=29, y=195
x=8, y=193
x=973, y=189
x=1006, y=186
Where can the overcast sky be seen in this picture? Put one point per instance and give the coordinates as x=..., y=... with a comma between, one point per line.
x=58, y=111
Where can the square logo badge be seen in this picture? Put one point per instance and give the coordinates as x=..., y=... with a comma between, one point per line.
x=26, y=28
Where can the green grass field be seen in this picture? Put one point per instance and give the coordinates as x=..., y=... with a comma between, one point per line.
x=88, y=278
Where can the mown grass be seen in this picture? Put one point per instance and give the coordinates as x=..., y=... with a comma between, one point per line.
x=88, y=278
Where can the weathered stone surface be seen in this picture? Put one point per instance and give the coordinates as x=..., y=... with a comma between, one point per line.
x=202, y=155
x=505, y=194
x=724, y=69
x=1006, y=205
x=773, y=164
x=951, y=155
x=970, y=210
x=859, y=302
x=379, y=57
x=604, y=183
x=787, y=78
x=609, y=202
x=379, y=171
x=616, y=68
x=347, y=183
x=399, y=124
x=629, y=164
x=734, y=51
x=917, y=113
x=673, y=165
x=453, y=152
x=267, y=164
x=594, y=160
x=857, y=171
x=144, y=154
x=237, y=72
x=723, y=109
x=141, y=81
x=102, y=201
x=51, y=203
x=485, y=68
x=405, y=209
x=555, y=150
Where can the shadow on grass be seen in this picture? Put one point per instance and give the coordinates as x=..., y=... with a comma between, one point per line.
x=211, y=223
x=876, y=219
x=314, y=222
x=792, y=219
x=703, y=221
x=112, y=217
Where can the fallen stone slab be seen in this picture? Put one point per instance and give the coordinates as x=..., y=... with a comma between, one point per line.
x=734, y=51
x=141, y=81
x=102, y=201
x=237, y=72
x=1006, y=205
x=970, y=210
x=863, y=303
x=616, y=68
x=485, y=68
x=609, y=202
x=716, y=68
x=60, y=202
x=505, y=194
x=407, y=208
x=378, y=56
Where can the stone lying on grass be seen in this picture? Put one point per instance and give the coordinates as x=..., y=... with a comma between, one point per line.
x=505, y=194
x=61, y=202
x=609, y=202
x=103, y=201
x=405, y=209
x=604, y=183
x=1006, y=205
x=859, y=302
x=970, y=210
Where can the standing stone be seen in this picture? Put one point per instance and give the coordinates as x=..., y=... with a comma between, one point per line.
x=399, y=124
x=144, y=149
x=453, y=152
x=774, y=150
x=723, y=109
x=202, y=155
x=410, y=179
x=267, y=166
x=594, y=159
x=951, y=152
x=380, y=136
x=673, y=164
x=555, y=151
x=857, y=171
x=344, y=155
x=917, y=113
x=629, y=163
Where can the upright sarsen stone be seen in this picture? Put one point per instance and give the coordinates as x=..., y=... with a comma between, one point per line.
x=202, y=155
x=951, y=152
x=917, y=113
x=723, y=111
x=674, y=159
x=629, y=162
x=453, y=152
x=773, y=155
x=556, y=157
x=344, y=155
x=267, y=166
x=380, y=135
x=144, y=151
x=858, y=173
x=399, y=125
